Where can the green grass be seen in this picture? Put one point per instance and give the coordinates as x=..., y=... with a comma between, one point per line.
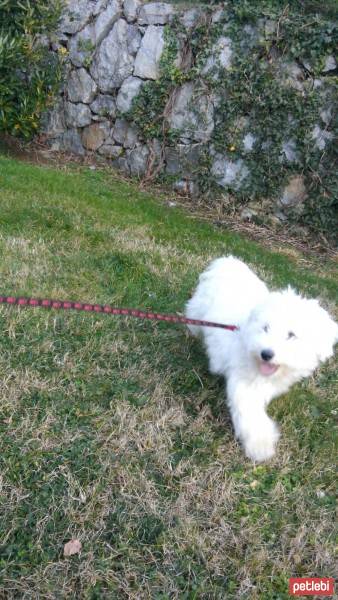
x=112, y=430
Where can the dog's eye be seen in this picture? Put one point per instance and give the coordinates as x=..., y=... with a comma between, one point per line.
x=291, y=335
x=266, y=328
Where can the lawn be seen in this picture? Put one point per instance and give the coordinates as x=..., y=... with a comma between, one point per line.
x=112, y=430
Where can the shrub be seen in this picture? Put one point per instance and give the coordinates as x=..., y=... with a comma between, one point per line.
x=29, y=73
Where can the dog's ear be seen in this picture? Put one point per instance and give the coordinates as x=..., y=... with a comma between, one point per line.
x=325, y=330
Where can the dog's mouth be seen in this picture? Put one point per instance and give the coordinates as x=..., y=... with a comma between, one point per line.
x=267, y=368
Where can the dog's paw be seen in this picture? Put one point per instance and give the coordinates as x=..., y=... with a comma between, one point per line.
x=262, y=445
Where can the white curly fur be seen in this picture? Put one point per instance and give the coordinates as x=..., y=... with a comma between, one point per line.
x=296, y=332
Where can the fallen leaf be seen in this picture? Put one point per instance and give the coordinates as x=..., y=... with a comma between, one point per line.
x=72, y=547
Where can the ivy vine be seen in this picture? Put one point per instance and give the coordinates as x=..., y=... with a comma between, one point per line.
x=279, y=90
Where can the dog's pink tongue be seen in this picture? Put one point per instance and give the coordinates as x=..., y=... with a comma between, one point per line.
x=267, y=368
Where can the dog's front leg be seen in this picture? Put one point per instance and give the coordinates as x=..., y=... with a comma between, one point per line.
x=257, y=432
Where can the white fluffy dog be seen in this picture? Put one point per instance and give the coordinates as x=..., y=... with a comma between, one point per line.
x=282, y=338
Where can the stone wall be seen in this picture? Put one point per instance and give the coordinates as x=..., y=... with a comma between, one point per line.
x=113, y=47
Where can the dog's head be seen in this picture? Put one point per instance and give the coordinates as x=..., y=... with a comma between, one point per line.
x=289, y=333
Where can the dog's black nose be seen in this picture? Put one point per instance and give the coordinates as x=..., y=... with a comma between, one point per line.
x=267, y=355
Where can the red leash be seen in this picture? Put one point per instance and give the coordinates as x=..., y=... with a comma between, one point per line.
x=110, y=310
